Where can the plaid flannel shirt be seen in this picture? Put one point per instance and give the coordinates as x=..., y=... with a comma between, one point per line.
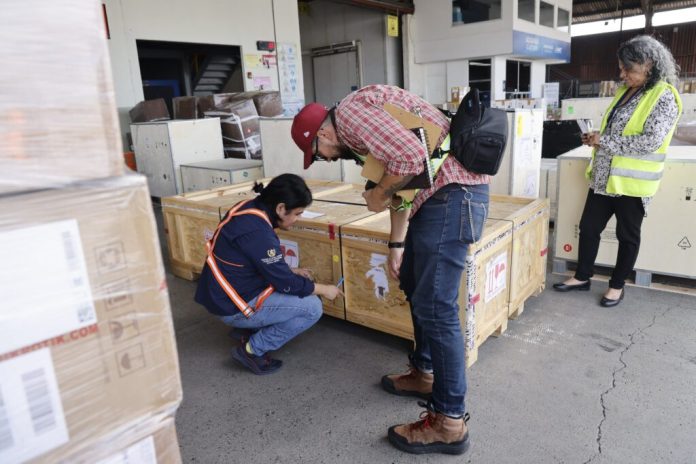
x=364, y=126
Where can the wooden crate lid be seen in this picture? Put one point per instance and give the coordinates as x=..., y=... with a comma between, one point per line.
x=346, y=193
x=378, y=227
x=332, y=213
x=515, y=209
x=375, y=226
x=223, y=198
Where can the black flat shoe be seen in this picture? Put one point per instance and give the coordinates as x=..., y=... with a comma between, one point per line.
x=561, y=287
x=609, y=303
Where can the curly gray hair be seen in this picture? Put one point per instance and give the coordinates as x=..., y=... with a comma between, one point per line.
x=644, y=49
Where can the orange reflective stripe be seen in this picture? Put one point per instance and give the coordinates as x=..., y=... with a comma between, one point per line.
x=219, y=277
x=262, y=297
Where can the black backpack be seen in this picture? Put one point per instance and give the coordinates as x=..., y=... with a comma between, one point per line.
x=478, y=135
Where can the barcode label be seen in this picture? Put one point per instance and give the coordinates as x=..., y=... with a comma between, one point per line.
x=69, y=249
x=39, y=399
x=31, y=412
x=6, y=439
x=44, y=284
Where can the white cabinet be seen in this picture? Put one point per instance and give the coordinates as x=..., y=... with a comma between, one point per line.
x=668, y=235
x=161, y=147
x=519, y=173
x=218, y=173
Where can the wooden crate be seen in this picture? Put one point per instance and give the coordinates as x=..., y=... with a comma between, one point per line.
x=190, y=220
x=530, y=230
x=315, y=242
x=374, y=300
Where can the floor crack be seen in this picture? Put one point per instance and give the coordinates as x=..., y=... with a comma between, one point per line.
x=623, y=366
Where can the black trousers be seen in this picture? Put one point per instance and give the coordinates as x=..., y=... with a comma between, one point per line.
x=629, y=218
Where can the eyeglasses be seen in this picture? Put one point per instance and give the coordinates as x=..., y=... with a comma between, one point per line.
x=315, y=151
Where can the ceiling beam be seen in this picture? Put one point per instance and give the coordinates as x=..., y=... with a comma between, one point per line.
x=388, y=6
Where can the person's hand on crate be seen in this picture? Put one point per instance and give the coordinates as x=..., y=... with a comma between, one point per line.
x=330, y=292
x=396, y=255
x=376, y=199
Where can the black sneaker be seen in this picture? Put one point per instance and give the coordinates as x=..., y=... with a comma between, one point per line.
x=259, y=365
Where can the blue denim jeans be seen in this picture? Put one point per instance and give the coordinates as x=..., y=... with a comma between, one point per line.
x=281, y=318
x=437, y=241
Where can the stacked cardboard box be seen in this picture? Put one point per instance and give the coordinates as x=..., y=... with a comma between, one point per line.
x=57, y=120
x=88, y=363
x=239, y=122
x=239, y=114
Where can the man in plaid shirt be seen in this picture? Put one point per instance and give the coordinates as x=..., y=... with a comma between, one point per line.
x=427, y=246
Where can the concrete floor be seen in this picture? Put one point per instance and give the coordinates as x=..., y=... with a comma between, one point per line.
x=569, y=382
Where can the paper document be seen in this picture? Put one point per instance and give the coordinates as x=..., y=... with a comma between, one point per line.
x=311, y=214
x=585, y=125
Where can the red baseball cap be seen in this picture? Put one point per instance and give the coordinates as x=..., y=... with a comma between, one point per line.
x=304, y=129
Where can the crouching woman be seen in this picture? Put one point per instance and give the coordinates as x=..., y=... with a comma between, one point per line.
x=248, y=284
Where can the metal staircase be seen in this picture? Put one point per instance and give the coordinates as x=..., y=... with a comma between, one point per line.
x=215, y=71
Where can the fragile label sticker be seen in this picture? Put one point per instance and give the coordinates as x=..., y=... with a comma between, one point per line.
x=31, y=413
x=44, y=284
x=496, y=272
x=291, y=252
x=142, y=452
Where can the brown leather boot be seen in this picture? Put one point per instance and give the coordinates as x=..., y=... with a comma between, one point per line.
x=412, y=383
x=433, y=433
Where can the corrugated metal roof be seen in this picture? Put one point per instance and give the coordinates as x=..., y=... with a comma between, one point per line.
x=589, y=10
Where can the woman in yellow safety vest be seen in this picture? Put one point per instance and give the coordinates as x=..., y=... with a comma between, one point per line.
x=627, y=160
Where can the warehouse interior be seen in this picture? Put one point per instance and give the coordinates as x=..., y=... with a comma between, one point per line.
x=128, y=131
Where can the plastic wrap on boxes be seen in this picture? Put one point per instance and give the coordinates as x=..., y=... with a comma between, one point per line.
x=156, y=444
x=239, y=122
x=87, y=349
x=58, y=120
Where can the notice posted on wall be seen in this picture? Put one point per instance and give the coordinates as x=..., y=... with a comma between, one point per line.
x=44, y=284
x=31, y=413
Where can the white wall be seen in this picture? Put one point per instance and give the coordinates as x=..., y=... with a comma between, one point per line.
x=327, y=23
x=431, y=42
x=537, y=79
x=436, y=39
x=457, y=74
x=527, y=26
x=498, y=76
x=218, y=22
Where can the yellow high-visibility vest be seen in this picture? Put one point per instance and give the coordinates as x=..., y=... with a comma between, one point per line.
x=638, y=177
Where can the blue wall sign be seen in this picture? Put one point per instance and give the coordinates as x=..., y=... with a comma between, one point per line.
x=539, y=46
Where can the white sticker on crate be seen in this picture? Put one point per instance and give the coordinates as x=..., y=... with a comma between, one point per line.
x=44, y=284
x=496, y=272
x=291, y=252
x=31, y=413
x=143, y=452
x=378, y=275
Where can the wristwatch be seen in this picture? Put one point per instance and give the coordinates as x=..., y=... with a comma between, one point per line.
x=396, y=244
